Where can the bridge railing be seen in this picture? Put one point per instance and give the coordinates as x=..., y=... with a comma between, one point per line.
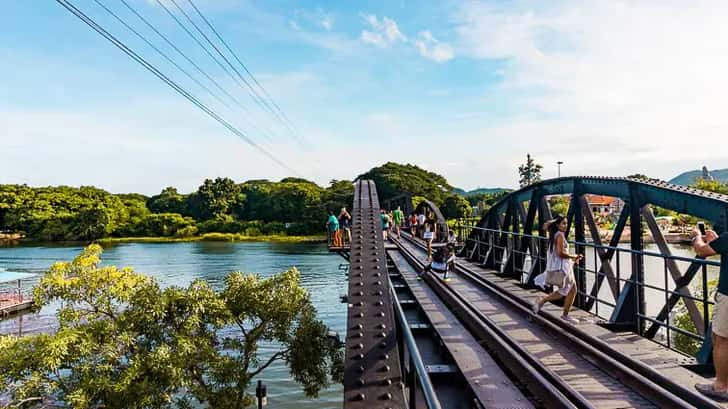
x=504, y=253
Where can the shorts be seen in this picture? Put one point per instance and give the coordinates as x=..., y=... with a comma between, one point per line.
x=720, y=315
x=568, y=284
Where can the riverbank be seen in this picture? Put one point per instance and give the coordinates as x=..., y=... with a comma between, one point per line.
x=226, y=237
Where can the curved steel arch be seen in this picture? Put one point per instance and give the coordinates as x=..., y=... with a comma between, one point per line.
x=504, y=237
x=430, y=209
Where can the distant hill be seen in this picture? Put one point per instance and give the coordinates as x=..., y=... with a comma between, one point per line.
x=688, y=178
x=482, y=190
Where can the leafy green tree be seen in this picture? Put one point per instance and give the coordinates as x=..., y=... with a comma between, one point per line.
x=165, y=224
x=216, y=199
x=529, y=172
x=455, y=207
x=711, y=186
x=393, y=179
x=123, y=342
x=559, y=205
x=168, y=201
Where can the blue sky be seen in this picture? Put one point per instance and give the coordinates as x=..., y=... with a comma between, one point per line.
x=465, y=89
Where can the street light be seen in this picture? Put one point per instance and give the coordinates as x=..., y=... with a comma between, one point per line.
x=559, y=163
x=261, y=393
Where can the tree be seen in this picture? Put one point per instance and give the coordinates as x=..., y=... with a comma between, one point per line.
x=529, y=172
x=168, y=201
x=711, y=186
x=123, y=342
x=393, y=179
x=216, y=199
x=455, y=207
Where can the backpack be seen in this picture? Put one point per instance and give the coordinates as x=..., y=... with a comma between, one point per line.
x=440, y=255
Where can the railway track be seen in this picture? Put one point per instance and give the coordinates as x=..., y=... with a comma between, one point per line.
x=560, y=366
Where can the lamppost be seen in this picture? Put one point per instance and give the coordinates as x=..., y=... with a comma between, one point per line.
x=262, y=394
x=559, y=163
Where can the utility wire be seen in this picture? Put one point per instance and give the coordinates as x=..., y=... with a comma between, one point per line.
x=136, y=57
x=252, y=124
x=180, y=52
x=250, y=89
x=196, y=40
x=160, y=52
x=289, y=123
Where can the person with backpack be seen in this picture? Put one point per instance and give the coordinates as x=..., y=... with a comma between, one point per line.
x=345, y=225
x=441, y=262
x=559, y=270
x=385, y=223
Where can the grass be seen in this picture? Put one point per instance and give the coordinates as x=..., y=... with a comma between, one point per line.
x=232, y=237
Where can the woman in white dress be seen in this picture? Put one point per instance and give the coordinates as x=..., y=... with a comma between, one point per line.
x=559, y=259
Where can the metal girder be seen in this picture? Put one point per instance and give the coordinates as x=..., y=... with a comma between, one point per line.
x=372, y=372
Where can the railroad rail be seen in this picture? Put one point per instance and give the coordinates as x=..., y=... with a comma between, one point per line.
x=635, y=383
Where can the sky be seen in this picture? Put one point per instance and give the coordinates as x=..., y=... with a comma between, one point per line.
x=462, y=88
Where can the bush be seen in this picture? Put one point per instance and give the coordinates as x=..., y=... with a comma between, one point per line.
x=188, y=231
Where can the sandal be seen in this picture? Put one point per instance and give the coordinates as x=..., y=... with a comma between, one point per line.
x=707, y=390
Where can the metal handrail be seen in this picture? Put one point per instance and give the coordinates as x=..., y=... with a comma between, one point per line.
x=415, y=358
x=601, y=246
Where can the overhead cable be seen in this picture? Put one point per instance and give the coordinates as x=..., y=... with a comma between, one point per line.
x=255, y=80
x=136, y=57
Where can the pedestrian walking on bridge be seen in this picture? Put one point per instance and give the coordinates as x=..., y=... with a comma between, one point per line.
x=397, y=217
x=559, y=270
x=705, y=246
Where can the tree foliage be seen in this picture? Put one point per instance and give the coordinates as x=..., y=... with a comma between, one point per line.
x=711, y=186
x=393, y=179
x=529, y=172
x=124, y=342
x=455, y=207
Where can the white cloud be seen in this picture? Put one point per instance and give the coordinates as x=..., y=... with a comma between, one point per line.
x=384, y=33
x=623, y=85
x=327, y=22
x=430, y=48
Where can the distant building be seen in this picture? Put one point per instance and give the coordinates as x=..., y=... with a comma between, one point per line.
x=604, y=205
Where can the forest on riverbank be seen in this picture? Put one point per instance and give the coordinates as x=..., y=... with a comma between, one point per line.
x=220, y=208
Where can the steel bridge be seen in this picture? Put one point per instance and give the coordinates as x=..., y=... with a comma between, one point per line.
x=473, y=342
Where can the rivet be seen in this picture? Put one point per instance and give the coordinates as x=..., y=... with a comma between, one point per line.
x=382, y=326
x=379, y=303
x=359, y=346
x=362, y=369
x=360, y=315
x=361, y=382
x=378, y=283
x=359, y=335
x=387, y=382
x=383, y=335
x=387, y=396
x=360, y=396
x=381, y=314
x=386, y=368
x=382, y=344
x=379, y=292
x=360, y=356
x=359, y=326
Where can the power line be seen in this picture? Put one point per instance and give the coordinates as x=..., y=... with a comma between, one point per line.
x=224, y=43
x=160, y=52
x=180, y=52
x=136, y=57
x=196, y=40
x=263, y=132
x=250, y=89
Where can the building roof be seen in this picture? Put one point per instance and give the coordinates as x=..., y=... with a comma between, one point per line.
x=599, y=200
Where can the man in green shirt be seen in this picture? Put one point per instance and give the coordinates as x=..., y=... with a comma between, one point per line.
x=398, y=216
x=705, y=246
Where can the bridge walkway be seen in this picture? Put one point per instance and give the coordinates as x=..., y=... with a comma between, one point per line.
x=597, y=386
x=490, y=385
x=666, y=361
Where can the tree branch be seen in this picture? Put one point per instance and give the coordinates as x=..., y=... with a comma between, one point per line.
x=275, y=356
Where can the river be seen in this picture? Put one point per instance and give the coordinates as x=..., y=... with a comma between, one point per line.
x=180, y=263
